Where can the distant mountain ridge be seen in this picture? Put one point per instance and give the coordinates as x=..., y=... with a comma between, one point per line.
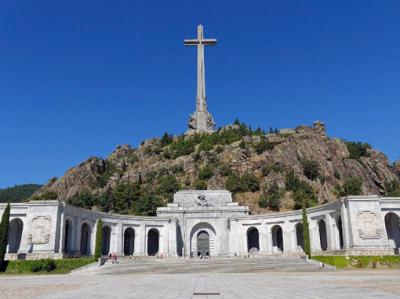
x=18, y=193
x=266, y=171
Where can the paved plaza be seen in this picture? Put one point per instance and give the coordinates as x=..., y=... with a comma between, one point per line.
x=331, y=284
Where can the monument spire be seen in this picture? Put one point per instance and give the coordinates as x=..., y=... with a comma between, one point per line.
x=201, y=120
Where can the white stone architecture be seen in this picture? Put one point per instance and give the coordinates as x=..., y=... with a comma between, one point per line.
x=205, y=223
x=201, y=121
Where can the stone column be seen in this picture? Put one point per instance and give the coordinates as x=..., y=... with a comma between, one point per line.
x=314, y=236
x=172, y=241
x=119, y=239
x=329, y=232
x=293, y=238
x=140, y=241
x=269, y=240
x=345, y=226
x=77, y=235
x=62, y=232
x=286, y=235
x=263, y=241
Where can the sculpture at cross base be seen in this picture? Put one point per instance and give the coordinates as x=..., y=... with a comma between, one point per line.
x=201, y=121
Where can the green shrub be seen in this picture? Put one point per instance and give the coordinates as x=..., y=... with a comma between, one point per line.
x=306, y=231
x=302, y=191
x=248, y=182
x=337, y=175
x=358, y=150
x=4, y=224
x=200, y=185
x=99, y=239
x=109, y=171
x=352, y=186
x=147, y=204
x=274, y=195
x=84, y=200
x=233, y=183
x=263, y=146
x=45, y=265
x=263, y=201
x=225, y=170
x=48, y=195
x=277, y=167
x=265, y=170
x=167, y=186
x=206, y=173
x=311, y=168
x=392, y=188
x=166, y=139
x=182, y=147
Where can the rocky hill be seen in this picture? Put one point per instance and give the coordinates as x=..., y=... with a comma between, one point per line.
x=266, y=171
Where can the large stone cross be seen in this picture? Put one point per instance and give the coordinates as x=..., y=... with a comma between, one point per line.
x=201, y=120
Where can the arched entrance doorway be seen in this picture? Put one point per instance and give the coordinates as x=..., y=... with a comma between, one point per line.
x=68, y=236
x=203, y=244
x=392, y=225
x=253, y=244
x=300, y=236
x=153, y=237
x=277, y=238
x=86, y=232
x=105, y=247
x=205, y=234
x=322, y=235
x=14, y=235
x=129, y=241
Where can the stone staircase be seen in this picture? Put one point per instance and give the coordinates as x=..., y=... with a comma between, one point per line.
x=213, y=265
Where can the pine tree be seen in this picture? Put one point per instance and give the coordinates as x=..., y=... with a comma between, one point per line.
x=99, y=239
x=3, y=236
x=306, y=232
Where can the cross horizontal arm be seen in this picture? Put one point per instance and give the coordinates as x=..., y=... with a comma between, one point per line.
x=210, y=41
x=194, y=42
x=191, y=42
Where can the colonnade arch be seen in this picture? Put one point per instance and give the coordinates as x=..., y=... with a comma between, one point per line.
x=105, y=246
x=277, y=238
x=392, y=224
x=15, y=229
x=68, y=232
x=153, y=241
x=86, y=234
x=322, y=235
x=300, y=236
x=339, y=230
x=253, y=243
x=129, y=241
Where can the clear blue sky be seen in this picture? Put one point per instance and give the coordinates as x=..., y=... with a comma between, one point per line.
x=77, y=78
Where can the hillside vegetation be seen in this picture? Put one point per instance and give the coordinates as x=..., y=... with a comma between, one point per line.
x=268, y=171
x=18, y=193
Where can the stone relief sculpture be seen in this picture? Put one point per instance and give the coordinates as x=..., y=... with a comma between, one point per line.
x=202, y=201
x=368, y=225
x=40, y=230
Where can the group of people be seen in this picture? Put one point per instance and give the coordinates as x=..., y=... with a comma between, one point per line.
x=113, y=257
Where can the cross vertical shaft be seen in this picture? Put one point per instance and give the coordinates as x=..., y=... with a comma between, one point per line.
x=201, y=120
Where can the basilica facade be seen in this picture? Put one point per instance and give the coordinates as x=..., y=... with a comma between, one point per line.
x=205, y=224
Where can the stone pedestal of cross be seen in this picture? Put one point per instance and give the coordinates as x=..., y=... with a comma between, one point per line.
x=201, y=121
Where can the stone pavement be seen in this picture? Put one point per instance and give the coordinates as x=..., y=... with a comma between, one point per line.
x=325, y=284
